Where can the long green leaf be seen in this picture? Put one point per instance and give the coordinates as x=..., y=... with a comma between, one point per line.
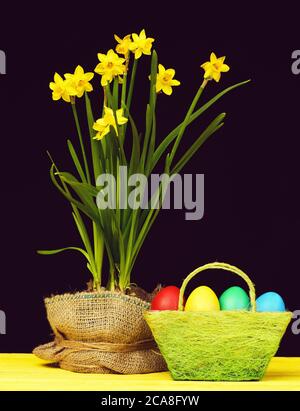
x=131, y=85
x=86, y=166
x=151, y=147
x=211, y=129
x=83, y=207
x=60, y=250
x=88, y=189
x=151, y=217
x=76, y=161
x=96, y=146
x=153, y=75
x=173, y=134
x=149, y=115
x=136, y=149
x=85, y=239
x=185, y=122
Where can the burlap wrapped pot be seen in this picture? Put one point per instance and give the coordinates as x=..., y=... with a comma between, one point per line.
x=102, y=332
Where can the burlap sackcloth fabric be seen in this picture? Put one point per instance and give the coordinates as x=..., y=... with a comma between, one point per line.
x=101, y=332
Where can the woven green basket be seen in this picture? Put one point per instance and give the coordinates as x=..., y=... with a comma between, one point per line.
x=218, y=345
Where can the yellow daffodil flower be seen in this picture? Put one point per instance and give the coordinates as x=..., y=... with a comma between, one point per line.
x=61, y=89
x=123, y=44
x=214, y=68
x=79, y=81
x=165, y=80
x=102, y=125
x=140, y=44
x=110, y=66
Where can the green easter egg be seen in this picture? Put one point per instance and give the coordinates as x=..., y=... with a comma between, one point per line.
x=234, y=298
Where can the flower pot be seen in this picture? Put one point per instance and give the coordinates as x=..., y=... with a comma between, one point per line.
x=102, y=332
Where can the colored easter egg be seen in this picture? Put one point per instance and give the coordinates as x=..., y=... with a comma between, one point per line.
x=202, y=299
x=270, y=302
x=166, y=299
x=234, y=298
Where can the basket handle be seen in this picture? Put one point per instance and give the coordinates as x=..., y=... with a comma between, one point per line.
x=222, y=266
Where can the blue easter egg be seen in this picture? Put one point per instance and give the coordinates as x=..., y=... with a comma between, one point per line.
x=270, y=302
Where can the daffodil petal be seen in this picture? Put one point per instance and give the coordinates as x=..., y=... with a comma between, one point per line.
x=88, y=87
x=171, y=72
x=205, y=65
x=161, y=69
x=104, y=81
x=57, y=78
x=101, y=56
x=158, y=87
x=167, y=90
x=135, y=37
x=138, y=54
x=79, y=70
x=225, y=68
x=216, y=76
x=213, y=58
x=89, y=76
x=143, y=35
x=66, y=97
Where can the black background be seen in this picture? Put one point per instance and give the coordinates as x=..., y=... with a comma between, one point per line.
x=251, y=166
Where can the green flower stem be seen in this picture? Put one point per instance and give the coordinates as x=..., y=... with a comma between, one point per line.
x=86, y=167
x=112, y=272
x=186, y=120
x=150, y=116
x=98, y=253
x=131, y=87
x=109, y=102
x=116, y=93
x=104, y=98
x=111, y=282
x=130, y=93
x=121, y=148
x=123, y=105
x=124, y=89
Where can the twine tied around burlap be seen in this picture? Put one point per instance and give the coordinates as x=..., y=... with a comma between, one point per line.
x=101, y=332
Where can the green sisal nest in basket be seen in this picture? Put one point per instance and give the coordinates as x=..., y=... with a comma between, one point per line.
x=218, y=345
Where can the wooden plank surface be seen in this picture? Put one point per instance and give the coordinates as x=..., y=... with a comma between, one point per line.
x=25, y=372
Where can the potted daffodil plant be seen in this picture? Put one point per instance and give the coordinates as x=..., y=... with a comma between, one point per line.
x=102, y=329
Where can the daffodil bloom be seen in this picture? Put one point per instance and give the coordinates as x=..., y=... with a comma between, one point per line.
x=214, y=67
x=79, y=81
x=61, y=89
x=123, y=44
x=102, y=125
x=110, y=66
x=165, y=80
x=140, y=44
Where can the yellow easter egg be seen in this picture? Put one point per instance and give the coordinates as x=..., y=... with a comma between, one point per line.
x=202, y=299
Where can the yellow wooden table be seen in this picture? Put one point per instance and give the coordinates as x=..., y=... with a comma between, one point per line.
x=25, y=372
